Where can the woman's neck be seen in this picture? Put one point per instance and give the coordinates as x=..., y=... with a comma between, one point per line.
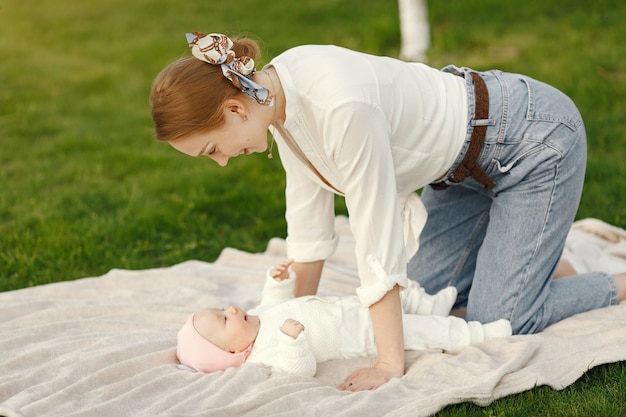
x=271, y=81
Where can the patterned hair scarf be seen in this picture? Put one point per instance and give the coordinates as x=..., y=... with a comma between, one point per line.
x=216, y=49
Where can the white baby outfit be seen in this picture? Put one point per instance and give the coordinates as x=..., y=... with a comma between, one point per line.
x=340, y=327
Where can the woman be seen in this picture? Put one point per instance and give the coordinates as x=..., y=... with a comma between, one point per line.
x=504, y=154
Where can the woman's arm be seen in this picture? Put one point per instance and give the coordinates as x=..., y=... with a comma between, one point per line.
x=386, y=317
x=307, y=277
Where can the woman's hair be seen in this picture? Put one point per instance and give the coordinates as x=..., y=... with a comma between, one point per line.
x=188, y=94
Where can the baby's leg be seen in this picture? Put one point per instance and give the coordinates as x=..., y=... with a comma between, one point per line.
x=425, y=332
x=415, y=300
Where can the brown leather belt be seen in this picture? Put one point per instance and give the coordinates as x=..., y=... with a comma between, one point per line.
x=468, y=166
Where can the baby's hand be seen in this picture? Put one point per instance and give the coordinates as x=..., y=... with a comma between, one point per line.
x=281, y=271
x=292, y=328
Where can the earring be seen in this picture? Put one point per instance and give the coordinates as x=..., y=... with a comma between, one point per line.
x=245, y=118
x=269, y=155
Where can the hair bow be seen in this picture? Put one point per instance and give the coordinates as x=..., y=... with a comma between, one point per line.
x=216, y=49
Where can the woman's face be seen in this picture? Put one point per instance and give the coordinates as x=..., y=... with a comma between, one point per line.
x=241, y=133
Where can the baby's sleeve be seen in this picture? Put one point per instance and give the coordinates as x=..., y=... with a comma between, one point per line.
x=295, y=356
x=277, y=291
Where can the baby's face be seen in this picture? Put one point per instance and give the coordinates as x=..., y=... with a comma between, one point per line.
x=230, y=329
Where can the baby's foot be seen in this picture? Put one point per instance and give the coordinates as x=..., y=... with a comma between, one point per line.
x=499, y=328
x=415, y=300
x=444, y=301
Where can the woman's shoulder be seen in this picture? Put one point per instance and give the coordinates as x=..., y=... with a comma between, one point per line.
x=325, y=57
x=325, y=73
x=332, y=63
x=313, y=50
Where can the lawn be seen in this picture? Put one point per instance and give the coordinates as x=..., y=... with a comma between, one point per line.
x=85, y=188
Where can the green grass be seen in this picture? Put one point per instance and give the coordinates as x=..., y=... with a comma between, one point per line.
x=85, y=188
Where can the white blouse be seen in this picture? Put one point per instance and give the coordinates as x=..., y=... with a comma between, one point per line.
x=377, y=129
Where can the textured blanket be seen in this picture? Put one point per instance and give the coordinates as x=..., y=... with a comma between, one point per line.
x=105, y=346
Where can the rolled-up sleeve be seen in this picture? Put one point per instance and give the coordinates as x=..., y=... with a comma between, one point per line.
x=354, y=140
x=364, y=159
x=309, y=213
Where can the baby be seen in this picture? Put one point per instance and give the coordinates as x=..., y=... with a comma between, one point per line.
x=292, y=335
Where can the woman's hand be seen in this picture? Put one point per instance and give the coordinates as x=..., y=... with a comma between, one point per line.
x=292, y=328
x=370, y=378
x=281, y=271
x=386, y=317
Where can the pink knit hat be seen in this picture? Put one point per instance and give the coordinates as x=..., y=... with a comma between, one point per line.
x=194, y=351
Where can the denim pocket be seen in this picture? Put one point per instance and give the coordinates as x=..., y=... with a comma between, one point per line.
x=547, y=104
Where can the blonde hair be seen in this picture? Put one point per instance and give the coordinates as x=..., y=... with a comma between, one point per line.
x=187, y=96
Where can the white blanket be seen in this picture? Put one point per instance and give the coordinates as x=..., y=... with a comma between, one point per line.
x=105, y=346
